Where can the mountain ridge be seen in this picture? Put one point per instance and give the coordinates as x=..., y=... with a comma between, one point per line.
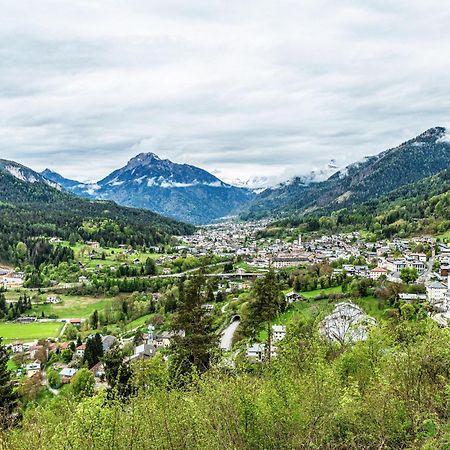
x=181, y=191
x=414, y=159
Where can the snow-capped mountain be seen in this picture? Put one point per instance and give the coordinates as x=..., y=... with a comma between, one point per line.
x=371, y=177
x=24, y=173
x=181, y=191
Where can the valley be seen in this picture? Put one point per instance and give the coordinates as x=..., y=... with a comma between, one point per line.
x=102, y=302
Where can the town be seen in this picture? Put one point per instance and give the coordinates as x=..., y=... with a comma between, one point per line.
x=84, y=326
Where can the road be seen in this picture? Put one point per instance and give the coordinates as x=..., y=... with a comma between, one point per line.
x=226, y=339
x=429, y=270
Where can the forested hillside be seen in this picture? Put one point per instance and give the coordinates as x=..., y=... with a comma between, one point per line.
x=418, y=158
x=423, y=206
x=32, y=210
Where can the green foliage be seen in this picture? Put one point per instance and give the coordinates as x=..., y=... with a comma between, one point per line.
x=409, y=275
x=266, y=303
x=391, y=391
x=194, y=345
x=29, y=211
x=93, y=351
x=8, y=398
x=54, y=380
x=83, y=383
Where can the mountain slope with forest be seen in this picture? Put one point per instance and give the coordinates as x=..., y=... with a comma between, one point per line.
x=418, y=158
x=423, y=206
x=31, y=209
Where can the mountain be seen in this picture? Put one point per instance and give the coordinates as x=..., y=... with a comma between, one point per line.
x=181, y=191
x=60, y=180
x=25, y=174
x=418, y=158
x=419, y=207
x=31, y=208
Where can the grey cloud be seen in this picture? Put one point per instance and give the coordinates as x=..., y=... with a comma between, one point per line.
x=236, y=87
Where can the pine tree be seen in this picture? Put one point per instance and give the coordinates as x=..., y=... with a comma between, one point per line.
x=94, y=320
x=8, y=398
x=266, y=304
x=194, y=346
x=93, y=351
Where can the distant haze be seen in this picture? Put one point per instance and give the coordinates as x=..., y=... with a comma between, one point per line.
x=260, y=90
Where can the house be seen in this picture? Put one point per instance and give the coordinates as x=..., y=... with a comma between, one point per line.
x=143, y=351
x=288, y=261
x=136, y=261
x=75, y=322
x=107, y=343
x=278, y=332
x=80, y=350
x=167, y=270
x=98, y=370
x=208, y=307
x=53, y=299
x=412, y=297
x=93, y=244
x=165, y=338
x=436, y=292
x=26, y=319
x=293, y=297
x=83, y=279
x=67, y=374
x=258, y=352
x=17, y=347
x=33, y=369
x=377, y=272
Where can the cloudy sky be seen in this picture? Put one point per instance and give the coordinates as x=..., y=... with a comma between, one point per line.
x=242, y=88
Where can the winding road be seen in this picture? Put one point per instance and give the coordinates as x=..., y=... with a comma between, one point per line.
x=226, y=338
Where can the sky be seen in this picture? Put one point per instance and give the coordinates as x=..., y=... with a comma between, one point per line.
x=245, y=89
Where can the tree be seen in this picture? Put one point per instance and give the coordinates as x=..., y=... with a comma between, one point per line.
x=8, y=398
x=266, y=304
x=21, y=251
x=93, y=351
x=409, y=275
x=83, y=383
x=150, y=266
x=94, y=320
x=54, y=380
x=194, y=345
x=118, y=374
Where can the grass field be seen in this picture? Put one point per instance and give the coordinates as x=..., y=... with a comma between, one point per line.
x=326, y=291
x=29, y=331
x=73, y=306
x=113, y=256
x=138, y=322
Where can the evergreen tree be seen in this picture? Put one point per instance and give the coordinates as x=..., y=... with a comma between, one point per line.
x=268, y=301
x=194, y=346
x=94, y=320
x=8, y=398
x=118, y=374
x=93, y=351
x=150, y=266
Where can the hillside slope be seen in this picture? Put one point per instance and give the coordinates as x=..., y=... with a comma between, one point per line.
x=30, y=208
x=420, y=207
x=418, y=158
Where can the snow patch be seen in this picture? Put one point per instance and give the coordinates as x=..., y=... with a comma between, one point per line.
x=445, y=138
x=20, y=175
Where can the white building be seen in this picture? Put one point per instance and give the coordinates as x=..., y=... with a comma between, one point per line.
x=278, y=332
